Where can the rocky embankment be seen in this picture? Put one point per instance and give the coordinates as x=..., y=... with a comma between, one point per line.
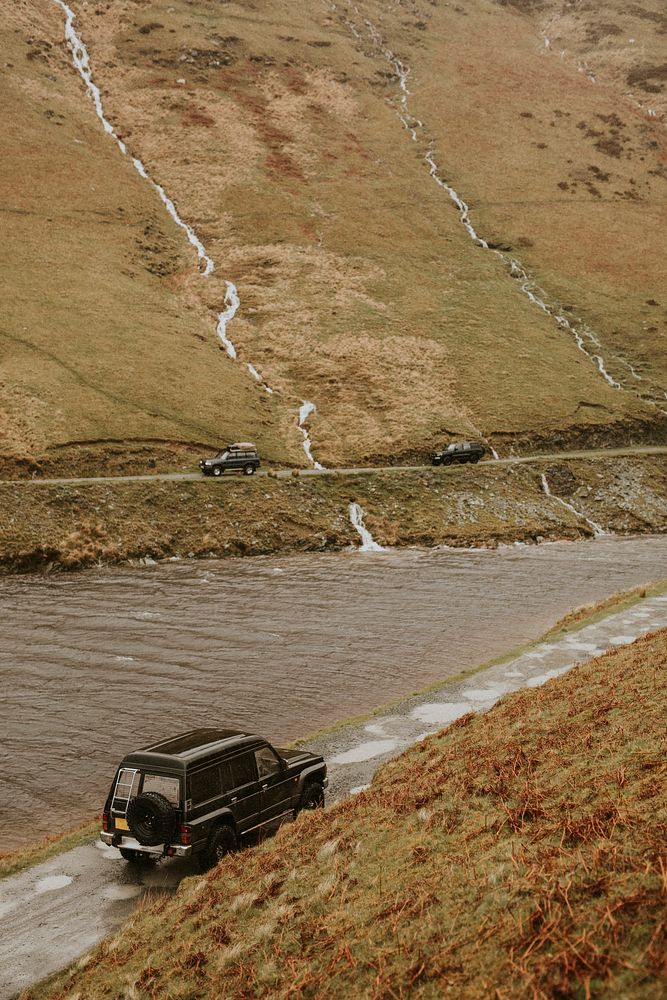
x=67, y=526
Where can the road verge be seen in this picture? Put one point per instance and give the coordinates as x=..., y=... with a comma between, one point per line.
x=70, y=526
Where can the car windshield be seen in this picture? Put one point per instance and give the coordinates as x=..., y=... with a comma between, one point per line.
x=222, y=454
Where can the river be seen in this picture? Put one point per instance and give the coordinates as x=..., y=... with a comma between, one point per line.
x=104, y=661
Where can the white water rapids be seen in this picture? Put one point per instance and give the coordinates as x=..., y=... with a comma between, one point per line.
x=368, y=543
x=598, y=531
x=585, y=339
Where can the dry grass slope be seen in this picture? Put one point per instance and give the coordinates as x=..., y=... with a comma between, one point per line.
x=518, y=854
x=275, y=131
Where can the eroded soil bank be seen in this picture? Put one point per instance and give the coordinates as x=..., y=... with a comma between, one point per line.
x=73, y=525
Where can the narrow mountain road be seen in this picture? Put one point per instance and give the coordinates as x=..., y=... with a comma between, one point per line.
x=361, y=470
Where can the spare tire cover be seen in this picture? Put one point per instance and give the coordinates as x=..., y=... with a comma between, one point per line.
x=151, y=818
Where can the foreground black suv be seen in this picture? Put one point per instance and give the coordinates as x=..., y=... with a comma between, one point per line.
x=240, y=457
x=199, y=792
x=463, y=451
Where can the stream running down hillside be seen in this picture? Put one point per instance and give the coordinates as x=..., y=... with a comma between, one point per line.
x=81, y=62
x=585, y=339
x=597, y=530
x=368, y=543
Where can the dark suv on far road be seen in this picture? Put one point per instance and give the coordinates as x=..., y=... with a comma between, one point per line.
x=463, y=451
x=240, y=457
x=200, y=792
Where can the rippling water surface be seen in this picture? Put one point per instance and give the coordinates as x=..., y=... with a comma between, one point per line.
x=98, y=663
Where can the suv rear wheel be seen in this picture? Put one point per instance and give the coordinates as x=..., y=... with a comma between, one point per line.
x=312, y=797
x=222, y=841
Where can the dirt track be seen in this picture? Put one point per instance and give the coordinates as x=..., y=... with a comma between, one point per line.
x=283, y=473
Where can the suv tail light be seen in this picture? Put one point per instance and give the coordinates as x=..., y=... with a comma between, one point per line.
x=186, y=835
x=105, y=821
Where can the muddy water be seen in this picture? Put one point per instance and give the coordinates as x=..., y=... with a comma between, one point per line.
x=95, y=664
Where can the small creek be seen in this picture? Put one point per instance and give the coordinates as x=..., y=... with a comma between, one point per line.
x=97, y=663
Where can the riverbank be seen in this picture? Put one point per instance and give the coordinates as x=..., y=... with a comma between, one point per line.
x=73, y=525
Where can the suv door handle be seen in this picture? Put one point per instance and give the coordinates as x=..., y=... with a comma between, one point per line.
x=234, y=798
x=264, y=787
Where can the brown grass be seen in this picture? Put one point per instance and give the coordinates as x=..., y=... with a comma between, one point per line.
x=616, y=602
x=80, y=524
x=517, y=854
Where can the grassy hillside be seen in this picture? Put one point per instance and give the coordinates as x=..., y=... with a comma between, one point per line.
x=551, y=118
x=97, y=342
x=275, y=132
x=518, y=854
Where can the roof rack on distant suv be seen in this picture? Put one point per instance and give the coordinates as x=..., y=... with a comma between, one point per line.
x=461, y=451
x=199, y=792
x=239, y=457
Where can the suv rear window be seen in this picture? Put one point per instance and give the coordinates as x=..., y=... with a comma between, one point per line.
x=131, y=783
x=163, y=784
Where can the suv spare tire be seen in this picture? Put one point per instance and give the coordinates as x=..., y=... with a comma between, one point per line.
x=151, y=818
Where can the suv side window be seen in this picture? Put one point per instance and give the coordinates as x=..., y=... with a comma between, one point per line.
x=267, y=762
x=205, y=785
x=243, y=769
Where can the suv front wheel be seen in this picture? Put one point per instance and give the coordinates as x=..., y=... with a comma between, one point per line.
x=222, y=841
x=217, y=470
x=312, y=797
x=249, y=470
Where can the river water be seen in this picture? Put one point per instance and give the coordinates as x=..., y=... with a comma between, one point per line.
x=101, y=662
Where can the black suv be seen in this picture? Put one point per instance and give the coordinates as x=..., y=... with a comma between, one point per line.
x=199, y=792
x=240, y=457
x=463, y=451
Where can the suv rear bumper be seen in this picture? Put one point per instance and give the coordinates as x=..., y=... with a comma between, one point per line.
x=130, y=844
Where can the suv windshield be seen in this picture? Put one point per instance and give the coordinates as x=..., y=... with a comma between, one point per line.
x=222, y=454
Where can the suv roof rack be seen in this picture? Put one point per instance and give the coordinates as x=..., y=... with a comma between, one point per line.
x=242, y=446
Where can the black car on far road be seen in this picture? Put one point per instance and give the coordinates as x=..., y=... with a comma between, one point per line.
x=462, y=452
x=240, y=457
x=198, y=793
